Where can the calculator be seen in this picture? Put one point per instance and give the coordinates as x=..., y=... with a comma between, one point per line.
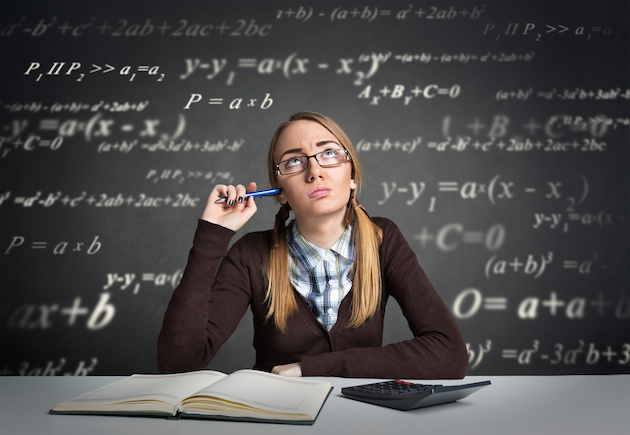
x=404, y=396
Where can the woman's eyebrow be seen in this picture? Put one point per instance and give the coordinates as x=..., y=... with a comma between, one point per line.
x=325, y=142
x=299, y=150
x=291, y=151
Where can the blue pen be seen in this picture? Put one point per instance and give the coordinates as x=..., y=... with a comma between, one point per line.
x=268, y=192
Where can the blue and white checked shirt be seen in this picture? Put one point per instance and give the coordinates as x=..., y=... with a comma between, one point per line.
x=323, y=277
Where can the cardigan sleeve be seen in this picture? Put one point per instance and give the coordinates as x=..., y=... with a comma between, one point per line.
x=437, y=349
x=187, y=341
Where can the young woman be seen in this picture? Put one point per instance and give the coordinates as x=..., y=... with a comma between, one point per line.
x=317, y=287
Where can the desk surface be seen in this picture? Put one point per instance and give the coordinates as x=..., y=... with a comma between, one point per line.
x=511, y=405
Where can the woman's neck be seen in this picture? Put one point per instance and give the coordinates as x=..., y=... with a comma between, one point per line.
x=322, y=232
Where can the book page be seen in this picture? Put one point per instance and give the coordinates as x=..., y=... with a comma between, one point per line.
x=270, y=392
x=170, y=389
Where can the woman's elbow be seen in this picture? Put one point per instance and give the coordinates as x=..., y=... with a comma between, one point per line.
x=458, y=368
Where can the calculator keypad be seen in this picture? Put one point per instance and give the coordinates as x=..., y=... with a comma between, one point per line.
x=403, y=395
x=395, y=388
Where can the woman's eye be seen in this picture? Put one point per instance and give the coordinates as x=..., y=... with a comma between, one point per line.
x=293, y=162
x=330, y=154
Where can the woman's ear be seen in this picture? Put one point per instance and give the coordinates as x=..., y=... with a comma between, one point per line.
x=281, y=198
x=353, y=184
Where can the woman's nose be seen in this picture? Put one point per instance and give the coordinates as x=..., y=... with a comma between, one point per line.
x=314, y=170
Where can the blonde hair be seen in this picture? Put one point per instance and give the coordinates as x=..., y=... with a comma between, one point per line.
x=367, y=238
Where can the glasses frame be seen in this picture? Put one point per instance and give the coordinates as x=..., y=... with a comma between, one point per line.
x=308, y=158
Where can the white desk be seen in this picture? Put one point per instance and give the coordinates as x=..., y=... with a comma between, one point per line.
x=531, y=405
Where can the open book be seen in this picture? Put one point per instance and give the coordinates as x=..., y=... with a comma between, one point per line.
x=245, y=395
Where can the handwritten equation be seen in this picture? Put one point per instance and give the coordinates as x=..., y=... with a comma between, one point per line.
x=179, y=176
x=43, y=316
x=96, y=126
x=519, y=145
x=495, y=189
x=250, y=27
x=171, y=146
x=133, y=281
x=371, y=13
x=450, y=236
x=472, y=301
x=101, y=200
x=507, y=134
x=76, y=107
x=19, y=244
x=540, y=31
x=243, y=27
x=357, y=69
x=125, y=28
x=453, y=236
x=580, y=352
x=58, y=367
x=575, y=94
x=535, y=265
x=94, y=317
x=560, y=354
x=79, y=73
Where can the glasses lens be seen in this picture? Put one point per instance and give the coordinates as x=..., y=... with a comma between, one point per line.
x=292, y=165
x=331, y=157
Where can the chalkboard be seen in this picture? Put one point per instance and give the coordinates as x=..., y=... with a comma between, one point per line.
x=495, y=134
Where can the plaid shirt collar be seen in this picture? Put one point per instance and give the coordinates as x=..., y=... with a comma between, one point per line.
x=310, y=255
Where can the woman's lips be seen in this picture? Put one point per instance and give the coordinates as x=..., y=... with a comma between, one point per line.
x=318, y=192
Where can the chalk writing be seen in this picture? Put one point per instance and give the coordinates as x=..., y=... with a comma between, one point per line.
x=519, y=145
x=360, y=68
x=580, y=352
x=55, y=248
x=44, y=315
x=576, y=94
x=104, y=200
x=369, y=14
x=451, y=237
x=499, y=189
x=560, y=221
x=500, y=126
x=387, y=145
x=476, y=353
x=97, y=126
x=588, y=353
x=532, y=265
x=498, y=130
x=78, y=72
x=75, y=107
x=408, y=94
x=124, y=28
x=464, y=58
x=171, y=146
x=244, y=27
x=538, y=32
x=470, y=302
x=234, y=103
x=51, y=368
x=126, y=280
x=182, y=175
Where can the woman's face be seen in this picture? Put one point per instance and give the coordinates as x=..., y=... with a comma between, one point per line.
x=318, y=191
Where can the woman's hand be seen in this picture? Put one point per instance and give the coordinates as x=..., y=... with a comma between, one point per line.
x=290, y=370
x=235, y=211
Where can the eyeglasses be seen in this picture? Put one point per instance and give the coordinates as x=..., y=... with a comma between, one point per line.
x=325, y=159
